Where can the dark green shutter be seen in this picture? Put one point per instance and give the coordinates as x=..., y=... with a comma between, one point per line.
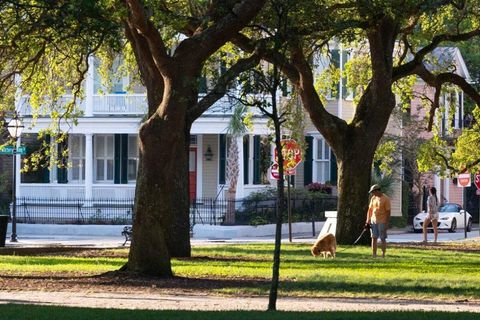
x=202, y=84
x=62, y=172
x=121, y=158
x=344, y=80
x=336, y=63
x=46, y=170
x=222, y=163
x=333, y=168
x=246, y=149
x=284, y=87
x=124, y=159
x=307, y=171
x=117, y=163
x=336, y=58
x=256, y=160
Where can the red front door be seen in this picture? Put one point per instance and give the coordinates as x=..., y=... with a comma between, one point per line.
x=192, y=172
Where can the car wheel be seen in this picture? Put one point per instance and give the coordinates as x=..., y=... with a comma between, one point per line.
x=469, y=225
x=417, y=230
x=453, y=227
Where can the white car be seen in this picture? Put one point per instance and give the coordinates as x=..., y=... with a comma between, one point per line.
x=451, y=217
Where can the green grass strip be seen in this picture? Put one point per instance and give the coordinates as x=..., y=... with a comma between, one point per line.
x=410, y=273
x=30, y=312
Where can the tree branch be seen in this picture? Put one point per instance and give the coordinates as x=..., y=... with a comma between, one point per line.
x=409, y=67
x=330, y=126
x=203, y=44
x=221, y=86
x=141, y=22
x=437, y=81
x=149, y=73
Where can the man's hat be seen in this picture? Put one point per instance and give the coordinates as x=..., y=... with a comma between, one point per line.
x=374, y=187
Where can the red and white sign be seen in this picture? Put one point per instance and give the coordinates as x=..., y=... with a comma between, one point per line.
x=292, y=154
x=464, y=180
x=477, y=181
x=275, y=174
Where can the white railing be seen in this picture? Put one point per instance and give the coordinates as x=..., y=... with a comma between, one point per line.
x=25, y=108
x=130, y=104
x=113, y=191
x=52, y=191
x=120, y=104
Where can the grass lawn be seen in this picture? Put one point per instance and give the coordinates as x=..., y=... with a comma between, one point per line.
x=28, y=312
x=411, y=273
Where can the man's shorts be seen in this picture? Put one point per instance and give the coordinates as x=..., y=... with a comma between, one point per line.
x=378, y=230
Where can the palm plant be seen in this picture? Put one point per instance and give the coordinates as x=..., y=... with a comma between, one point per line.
x=236, y=129
x=386, y=182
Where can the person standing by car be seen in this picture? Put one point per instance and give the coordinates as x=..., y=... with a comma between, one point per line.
x=378, y=216
x=432, y=215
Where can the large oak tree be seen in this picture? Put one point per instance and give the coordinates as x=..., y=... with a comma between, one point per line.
x=38, y=37
x=397, y=37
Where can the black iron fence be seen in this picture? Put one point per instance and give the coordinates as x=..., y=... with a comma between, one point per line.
x=74, y=211
x=263, y=211
x=202, y=210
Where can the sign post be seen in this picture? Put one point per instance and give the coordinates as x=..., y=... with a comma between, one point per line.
x=477, y=184
x=292, y=156
x=464, y=181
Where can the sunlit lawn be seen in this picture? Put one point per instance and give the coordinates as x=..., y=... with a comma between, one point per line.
x=28, y=312
x=405, y=273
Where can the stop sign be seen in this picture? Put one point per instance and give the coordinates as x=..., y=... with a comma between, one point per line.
x=477, y=180
x=292, y=155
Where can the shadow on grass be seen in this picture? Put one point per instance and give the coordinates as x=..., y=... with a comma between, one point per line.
x=14, y=312
x=319, y=287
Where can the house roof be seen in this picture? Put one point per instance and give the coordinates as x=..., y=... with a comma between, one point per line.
x=448, y=59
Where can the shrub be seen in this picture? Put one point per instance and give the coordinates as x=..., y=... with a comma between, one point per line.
x=319, y=187
x=306, y=206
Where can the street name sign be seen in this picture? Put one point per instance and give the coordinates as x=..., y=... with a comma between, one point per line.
x=9, y=150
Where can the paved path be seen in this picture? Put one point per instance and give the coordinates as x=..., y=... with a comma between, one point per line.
x=214, y=303
x=96, y=241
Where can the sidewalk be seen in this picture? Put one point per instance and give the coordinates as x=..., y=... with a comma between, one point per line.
x=152, y=301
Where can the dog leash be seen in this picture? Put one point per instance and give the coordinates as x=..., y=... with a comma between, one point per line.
x=367, y=227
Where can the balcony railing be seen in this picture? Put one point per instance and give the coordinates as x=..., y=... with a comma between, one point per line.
x=25, y=108
x=120, y=104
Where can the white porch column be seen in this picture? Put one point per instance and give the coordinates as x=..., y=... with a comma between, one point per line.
x=250, y=159
x=199, y=190
x=53, y=162
x=18, y=166
x=89, y=85
x=240, y=183
x=88, y=166
x=340, y=84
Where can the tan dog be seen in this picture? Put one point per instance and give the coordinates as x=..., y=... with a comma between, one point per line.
x=325, y=245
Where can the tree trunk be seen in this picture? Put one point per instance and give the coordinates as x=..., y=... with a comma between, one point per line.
x=272, y=298
x=161, y=227
x=354, y=174
x=354, y=160
x=232, y=176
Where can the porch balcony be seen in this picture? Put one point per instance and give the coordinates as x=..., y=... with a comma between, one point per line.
x=116, y=104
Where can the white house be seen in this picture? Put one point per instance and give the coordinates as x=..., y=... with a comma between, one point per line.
x=103, y=152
